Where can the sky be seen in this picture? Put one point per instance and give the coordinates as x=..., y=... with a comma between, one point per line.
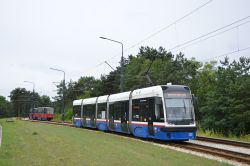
x=36, y=35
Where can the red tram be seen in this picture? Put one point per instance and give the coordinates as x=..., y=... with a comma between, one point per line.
x=42, y=113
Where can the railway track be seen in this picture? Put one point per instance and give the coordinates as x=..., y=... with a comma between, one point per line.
x=227, y=154
x=230, y=155
x=224, y=141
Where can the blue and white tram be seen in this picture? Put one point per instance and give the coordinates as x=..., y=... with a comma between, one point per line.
x=160, y=112
x=77, y=113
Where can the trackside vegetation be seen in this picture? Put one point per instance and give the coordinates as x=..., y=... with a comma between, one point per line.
x=27, y=143
x=67, y=115
x=211, y=133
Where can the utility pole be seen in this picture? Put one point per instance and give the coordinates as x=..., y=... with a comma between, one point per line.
x=62, y=109
x=122, y=72
x=121, y=63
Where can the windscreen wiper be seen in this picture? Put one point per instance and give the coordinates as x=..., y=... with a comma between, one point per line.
x=184, y=106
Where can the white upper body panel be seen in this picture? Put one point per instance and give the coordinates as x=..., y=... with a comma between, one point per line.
x=155, y=91
x=89, y=101
x=102, y=99
x=77, y=102
x=119, y=97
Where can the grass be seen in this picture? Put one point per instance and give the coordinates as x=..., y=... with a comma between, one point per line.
x=26, y=143
x=209, y=133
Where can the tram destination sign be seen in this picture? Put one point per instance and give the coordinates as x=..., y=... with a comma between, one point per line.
x=177, y=95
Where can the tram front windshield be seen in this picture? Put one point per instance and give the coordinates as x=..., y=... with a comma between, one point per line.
x=77, y=111
x=179, y=111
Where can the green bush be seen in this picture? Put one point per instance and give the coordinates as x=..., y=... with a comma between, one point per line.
x=67, y=115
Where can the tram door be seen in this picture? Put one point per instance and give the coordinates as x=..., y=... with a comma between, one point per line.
x=111, y=116
x=124, y=115
x=92, y=109
x=84, y=115
x=150, y=115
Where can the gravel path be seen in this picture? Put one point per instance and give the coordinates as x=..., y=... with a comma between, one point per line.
x=222, y=146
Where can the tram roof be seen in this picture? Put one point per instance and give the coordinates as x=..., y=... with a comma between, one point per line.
x=89, y=101
x=147, y=92
x=77, y=102
x=102, y=99
x=119, y=97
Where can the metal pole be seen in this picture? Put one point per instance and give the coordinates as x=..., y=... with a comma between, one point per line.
x=109, y=65
x=33, y=98
x=122, y=72
x=62, y=109
x=122, y=63
x=63, y=97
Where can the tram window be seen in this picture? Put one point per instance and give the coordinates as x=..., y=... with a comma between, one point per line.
x=101, y=112
x=117, y=110
x=88, y=111
x=140, y=108
x=39, y=110
x=33, y=110
x=84, y=111
x=111, y=111
x=124, y=110
x=51, y=110
x=91, y=111
x=103, y=116
x=77, y=111
x=45, y=111
x=159, y=116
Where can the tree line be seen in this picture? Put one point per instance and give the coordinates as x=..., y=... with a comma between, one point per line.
x=21, y=101
x=222, y=88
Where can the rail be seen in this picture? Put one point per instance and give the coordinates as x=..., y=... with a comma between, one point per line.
x=224, y=141
x=231, y=155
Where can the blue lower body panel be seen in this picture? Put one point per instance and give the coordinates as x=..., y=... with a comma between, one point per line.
x=143, y=132
x=102, y=126
x=88, y=124
x=140, y=131
x=117, y=127
x=77, y=122
x=181, y=135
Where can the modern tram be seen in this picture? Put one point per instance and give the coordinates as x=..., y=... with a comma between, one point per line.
x=159, y=112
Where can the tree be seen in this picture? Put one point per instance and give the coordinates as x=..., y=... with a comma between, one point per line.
x=44, y=101
x=22, y=100
x=226, y=108
x=5, y=107
x=165, y=67
x=202, y=84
